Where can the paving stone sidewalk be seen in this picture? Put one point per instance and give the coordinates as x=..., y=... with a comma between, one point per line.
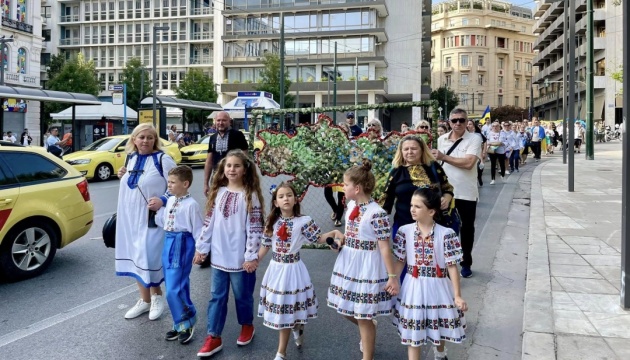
x=572, y=303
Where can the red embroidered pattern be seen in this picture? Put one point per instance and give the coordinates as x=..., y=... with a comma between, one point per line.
x=229, y=204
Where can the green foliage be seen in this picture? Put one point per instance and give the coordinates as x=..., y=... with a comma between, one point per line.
x=441, y=94
x=270, y=76
x=618, y=76
x=56, y=64
x=509, y=113
x=133, y=75
x=320, y=154
x=76, y=75
x=197, y=86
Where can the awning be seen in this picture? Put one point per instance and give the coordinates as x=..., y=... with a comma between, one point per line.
x=47, y=95
x=165, y=101
x=106, y=109
x=249, y=99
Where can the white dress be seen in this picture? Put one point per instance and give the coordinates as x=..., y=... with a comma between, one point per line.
x=230, y=233
x=357, y=284
x=138, y=247
x=287, y=297
x=425, y=309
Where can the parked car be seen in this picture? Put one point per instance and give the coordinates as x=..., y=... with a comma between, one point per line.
x=196, y=154
x=44, y=206
x=101, y=159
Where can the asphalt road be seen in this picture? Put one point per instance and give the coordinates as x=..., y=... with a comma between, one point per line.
x=75, y=309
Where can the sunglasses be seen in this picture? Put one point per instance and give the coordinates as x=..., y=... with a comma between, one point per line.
x=424, y=127
x=459, y=120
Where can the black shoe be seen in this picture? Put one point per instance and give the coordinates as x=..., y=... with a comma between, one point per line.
x=186, y=335
x=171, y=335
x=205, y=263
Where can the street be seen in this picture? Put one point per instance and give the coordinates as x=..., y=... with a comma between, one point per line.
x=75, y=309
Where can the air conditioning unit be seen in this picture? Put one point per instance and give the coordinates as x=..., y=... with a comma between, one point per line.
x=500, y=72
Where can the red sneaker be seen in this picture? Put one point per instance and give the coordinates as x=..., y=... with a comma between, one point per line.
x=211, y=346
x=247, y=334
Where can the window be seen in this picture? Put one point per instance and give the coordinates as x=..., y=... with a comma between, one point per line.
x=5, y=60
x=29, y=168
x=463, y=80
x=465, y=40
x=500, y=81
x=528, y=84
x=448, y=80
x=517, y=65
x=502, y=43
x=526, y=101
x=464, y=21
x=500, y=63
x=448, y=62
x=480, y=99
x=528, y=67
x=463, y=99
x=480, y=79
x=517, y=83
x=516, y=99
x=21, y=61
x=480, y=60
x=500, y=100
x=465, y=61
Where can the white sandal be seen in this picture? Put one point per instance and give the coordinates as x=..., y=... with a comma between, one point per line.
x=280, y=357
x=298, y=335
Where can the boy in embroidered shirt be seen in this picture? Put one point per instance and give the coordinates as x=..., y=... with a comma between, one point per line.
x=182, y=223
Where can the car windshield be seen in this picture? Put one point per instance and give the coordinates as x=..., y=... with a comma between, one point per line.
x=104, y=144
x=204, y=140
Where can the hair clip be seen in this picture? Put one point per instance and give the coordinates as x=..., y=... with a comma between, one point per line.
x=272, y=188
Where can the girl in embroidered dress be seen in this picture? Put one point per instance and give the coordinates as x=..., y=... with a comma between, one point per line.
x=287, y=298
x=363, y=279
x=430, y=307
x=231, y=234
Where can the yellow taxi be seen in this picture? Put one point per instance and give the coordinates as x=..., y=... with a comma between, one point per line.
x=101, y=159
x=196, y=154
x=44, y=206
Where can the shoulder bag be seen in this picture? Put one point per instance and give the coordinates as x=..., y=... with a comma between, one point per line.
x=450, y=217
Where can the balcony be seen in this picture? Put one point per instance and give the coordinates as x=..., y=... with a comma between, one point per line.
x=599, y=82
x=501, y=50
x=347, y=87
x=202, y=35
x=378, y=32
x=481, y=68
x=21, y=79
x=447, y=69
x=310, y=59
x=201, y=60
x=69, y=41
x=518, y=72
x=69, y=18
x=379, y=5
x=464, y=68
x=17, y=25
x=544, y=99
x=202, y=11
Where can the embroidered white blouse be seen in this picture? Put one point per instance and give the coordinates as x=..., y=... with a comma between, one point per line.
x=181, y=214
x=230, y=233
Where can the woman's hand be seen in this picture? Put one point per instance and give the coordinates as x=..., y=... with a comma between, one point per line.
x=122, y=171
x=446, y=201
x=155, y=203
x=461, y=303
x=199, y=258
x=393, y=286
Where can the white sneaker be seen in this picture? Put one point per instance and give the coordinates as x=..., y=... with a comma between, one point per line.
x=492, y=182
x=157, y=306
x=507, y=172
x=279, y=357
x=140, y=308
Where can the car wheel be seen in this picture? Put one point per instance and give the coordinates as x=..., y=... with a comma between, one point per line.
x=27, y=250
x=103, y=172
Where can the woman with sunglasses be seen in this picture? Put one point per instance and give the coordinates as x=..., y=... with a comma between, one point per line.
x=424, y=125
x=495, y=147
x=375, y=128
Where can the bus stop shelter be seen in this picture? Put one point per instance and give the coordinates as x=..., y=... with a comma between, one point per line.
x=145, y=113
x=16, y=92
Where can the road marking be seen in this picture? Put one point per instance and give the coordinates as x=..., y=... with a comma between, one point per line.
x=59, y=318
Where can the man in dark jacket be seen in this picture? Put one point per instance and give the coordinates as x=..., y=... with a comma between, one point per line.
x=224, y=140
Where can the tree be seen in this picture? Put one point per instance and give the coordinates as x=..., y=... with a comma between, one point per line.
x=618, y=76
x=76, y=75
x=509, y=113
x=56, y=64
x=133, y=75
x=440, y=95
x=270, y=80
x=196, y=86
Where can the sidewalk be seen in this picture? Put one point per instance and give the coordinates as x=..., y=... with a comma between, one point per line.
x=572, y=297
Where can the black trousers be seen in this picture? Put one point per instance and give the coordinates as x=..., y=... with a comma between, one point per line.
x=467, y=212
x=535, y=146
x=337, y=207
x=493, y=164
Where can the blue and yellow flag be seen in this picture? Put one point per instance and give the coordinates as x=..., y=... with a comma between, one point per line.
x=486, y=116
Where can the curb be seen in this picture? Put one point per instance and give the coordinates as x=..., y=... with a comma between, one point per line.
x=538, y=322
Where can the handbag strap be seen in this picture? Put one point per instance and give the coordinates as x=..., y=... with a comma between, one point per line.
x=435, y=175
x=452, y=148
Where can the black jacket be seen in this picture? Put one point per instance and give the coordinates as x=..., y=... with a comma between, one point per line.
x=236, y=140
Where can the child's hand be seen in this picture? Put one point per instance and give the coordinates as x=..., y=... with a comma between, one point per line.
x=461, y=303
x=393, y=286
x=250, y=266
x=199, y=258
x=155, y=203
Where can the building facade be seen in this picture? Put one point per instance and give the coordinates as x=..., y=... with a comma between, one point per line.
x=607, y=57
x=379, y=43
x=483, y=51
x=21, y=22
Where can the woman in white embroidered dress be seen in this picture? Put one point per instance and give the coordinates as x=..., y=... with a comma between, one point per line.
x=139, y=244
x=235, y=221
x=363, y=279
x=430, y=307
x=287, y=298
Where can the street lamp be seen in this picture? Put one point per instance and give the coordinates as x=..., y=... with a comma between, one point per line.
x=154, y=86
x=440, y=110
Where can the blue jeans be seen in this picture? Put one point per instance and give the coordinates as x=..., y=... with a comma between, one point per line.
x=515, y=158
x=177, y=256
x=243, y=284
